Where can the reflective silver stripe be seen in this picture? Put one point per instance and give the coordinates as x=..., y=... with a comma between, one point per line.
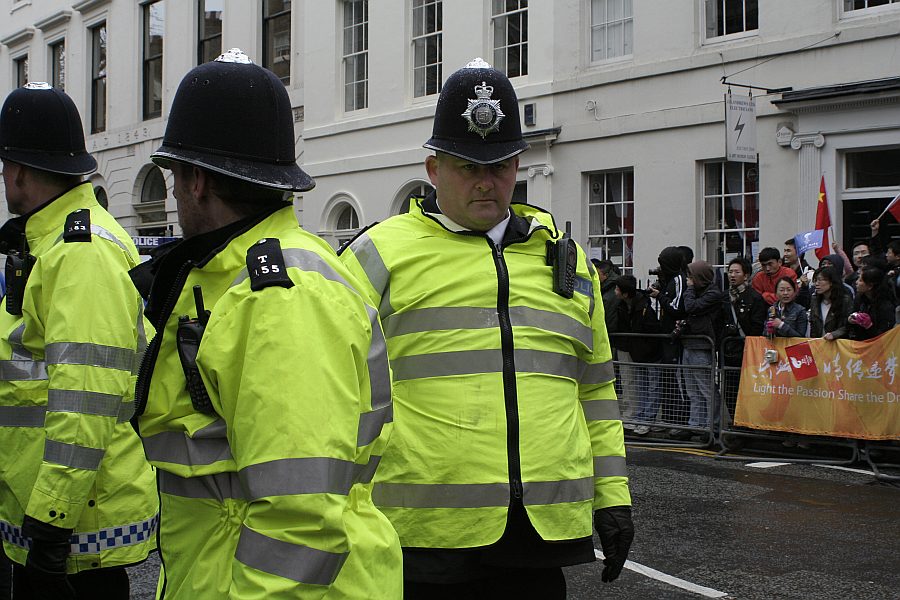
x=96, y=355
x=22, y=416
x=92, y=542
x=365, y=473
x=444, y=364
x=472, y=317
x=601, y=410
x=298, y=563
x=558, y=492
x=79, y=401
x=210, y=487
x=377, y=361
x=441, y=495
x=440, y=318
x=610, y=466
x=73, y=455
x=126, y=411
x=23, y=370
x=142, y=332
x=207, y=446
x=371, y=424
x=18, y=348
x=598, y=373
x=294, y=476
x=370, y=260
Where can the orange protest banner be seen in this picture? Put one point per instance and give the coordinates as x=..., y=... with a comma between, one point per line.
x=856, y=393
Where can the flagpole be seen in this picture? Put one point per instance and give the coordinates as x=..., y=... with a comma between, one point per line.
x=888, y=207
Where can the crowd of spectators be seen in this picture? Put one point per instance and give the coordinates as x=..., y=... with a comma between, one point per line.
x=705, y=317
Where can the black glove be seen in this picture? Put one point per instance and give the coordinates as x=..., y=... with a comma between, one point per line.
x=45, y=566
x=616, y=533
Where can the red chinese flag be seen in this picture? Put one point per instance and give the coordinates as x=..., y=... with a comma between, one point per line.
x=823, y=221
x=802, y=362
x=894, y=207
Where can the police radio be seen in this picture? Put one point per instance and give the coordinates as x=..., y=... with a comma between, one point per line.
x=190, y=332
x=18, y=268
x=562, y=255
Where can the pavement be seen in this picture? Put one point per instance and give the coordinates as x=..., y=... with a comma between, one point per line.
x=742, y=530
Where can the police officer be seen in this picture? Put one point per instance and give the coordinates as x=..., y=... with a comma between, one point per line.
x=507, y=434
x=77, y=495
x=266, y=390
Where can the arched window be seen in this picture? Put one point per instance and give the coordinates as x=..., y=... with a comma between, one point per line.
x=346, y=224
x=418, y=189
x=151, y=211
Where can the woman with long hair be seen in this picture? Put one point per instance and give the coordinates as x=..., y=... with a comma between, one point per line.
x=830, y=306
x=873, y=309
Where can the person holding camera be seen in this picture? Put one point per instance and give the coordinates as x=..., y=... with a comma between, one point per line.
x=703, y=303
x=744, y=315
x=668, y=294
x=786, y=317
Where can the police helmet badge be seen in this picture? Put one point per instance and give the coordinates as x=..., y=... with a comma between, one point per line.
x=482, y=113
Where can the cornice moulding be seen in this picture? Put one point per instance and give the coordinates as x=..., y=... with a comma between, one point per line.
x=18, y=37
x=54, y=20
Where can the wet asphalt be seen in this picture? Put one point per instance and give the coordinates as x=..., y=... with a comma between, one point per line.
x=710, y=528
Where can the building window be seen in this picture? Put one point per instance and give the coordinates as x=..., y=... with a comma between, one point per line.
x=276, y=28
x=346, y=223
x=730, y=211
x=428, y=16
x=154, y=32
x=612, y=33
x=58, y=65
x=873, y=168
x=510, y=24
x=356, y=54
x=727, y=17
x=20, y=65
x=151, y=210
x=209, y=20
x=406, y=194
x=864, y=4
x=98, y=78
x=611, y=218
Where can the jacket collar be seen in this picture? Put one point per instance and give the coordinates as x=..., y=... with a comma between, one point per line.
x=524, y=220
x=47, y=218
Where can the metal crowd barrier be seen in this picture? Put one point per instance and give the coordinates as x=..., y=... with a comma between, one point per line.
x=656, y=398
x=655, y=402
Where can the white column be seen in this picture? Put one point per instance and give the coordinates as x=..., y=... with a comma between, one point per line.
x=810, y=148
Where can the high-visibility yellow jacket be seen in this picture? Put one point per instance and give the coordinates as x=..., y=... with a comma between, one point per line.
x=69, y=456
x=269, y=496
x=502, y=388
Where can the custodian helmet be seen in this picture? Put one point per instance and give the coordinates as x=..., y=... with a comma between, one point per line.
x=41, y=128
x=477, y=116
x=234, y=117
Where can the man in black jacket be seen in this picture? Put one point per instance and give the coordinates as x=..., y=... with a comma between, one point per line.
x=635, y=316
x=744, y=315
x=669, y=296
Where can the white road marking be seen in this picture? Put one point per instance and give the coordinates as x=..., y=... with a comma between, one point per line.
x=767, y=465
x=669, y=579
x=848, y=469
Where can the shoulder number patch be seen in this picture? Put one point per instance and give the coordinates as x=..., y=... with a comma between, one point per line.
x=265, y=264
x=78, y=226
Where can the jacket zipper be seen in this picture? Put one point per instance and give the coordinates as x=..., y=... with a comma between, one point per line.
x=142, y=385
x=510, y=396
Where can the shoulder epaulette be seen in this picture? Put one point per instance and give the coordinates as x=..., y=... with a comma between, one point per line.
x=78, y=226
x=265, y=265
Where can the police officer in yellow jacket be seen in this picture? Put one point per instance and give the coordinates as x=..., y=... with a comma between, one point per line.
x=266, y=391
x=506, y=435
x=77, y=495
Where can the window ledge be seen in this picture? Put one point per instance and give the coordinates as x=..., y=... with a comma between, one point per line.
x=19, y=37
x=721, y=39
x=54, y=20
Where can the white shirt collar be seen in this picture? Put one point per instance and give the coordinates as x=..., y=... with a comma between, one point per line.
x=496, y=232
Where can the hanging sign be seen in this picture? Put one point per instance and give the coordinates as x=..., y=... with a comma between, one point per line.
x=740, y=128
